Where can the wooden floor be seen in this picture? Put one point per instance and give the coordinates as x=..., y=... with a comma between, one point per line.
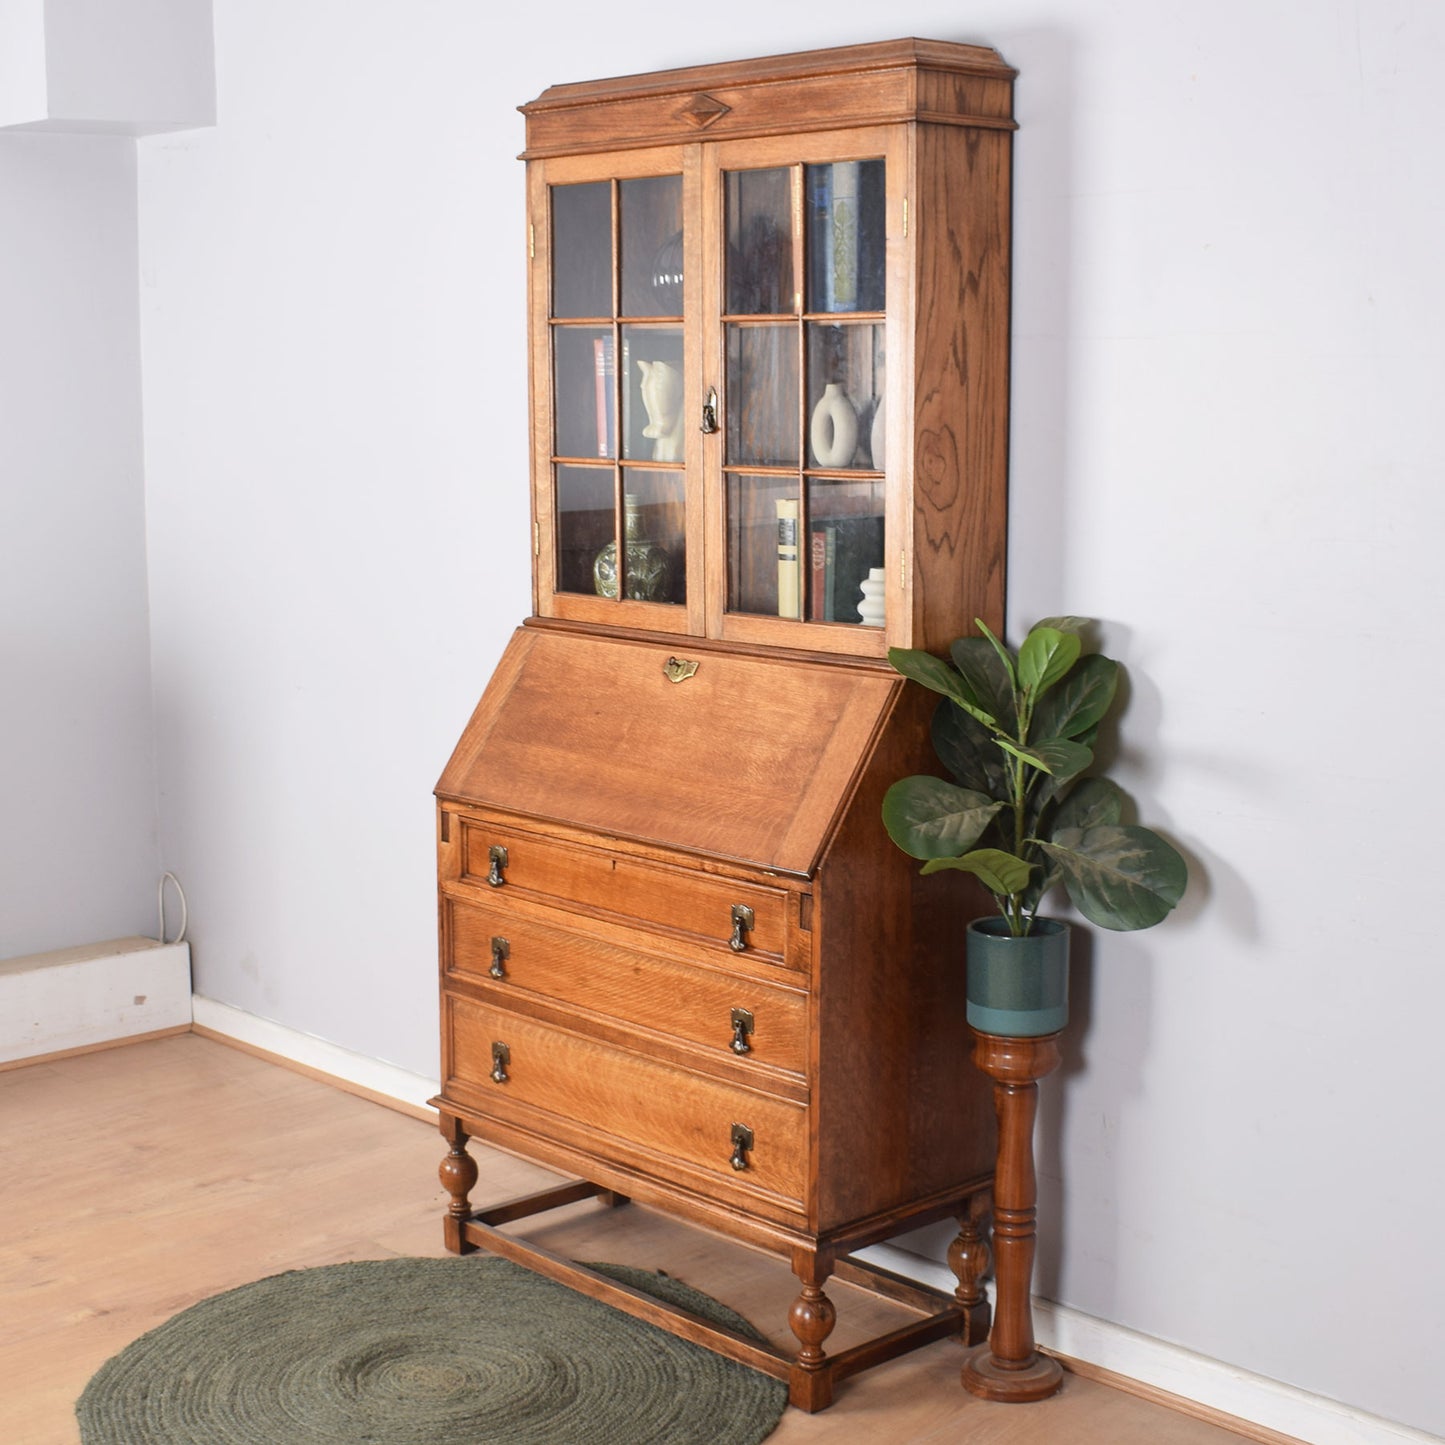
x=141, y=1179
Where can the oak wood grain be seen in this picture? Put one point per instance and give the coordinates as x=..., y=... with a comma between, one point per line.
x=692, y=1002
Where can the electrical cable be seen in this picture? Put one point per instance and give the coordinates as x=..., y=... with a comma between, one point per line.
x=161, y=909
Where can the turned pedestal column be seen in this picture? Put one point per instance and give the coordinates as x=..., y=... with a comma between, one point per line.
x=1008, y=1367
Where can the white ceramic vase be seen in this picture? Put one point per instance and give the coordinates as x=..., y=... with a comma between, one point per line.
x=662, y=399
x=870, y=609
x=833, y=430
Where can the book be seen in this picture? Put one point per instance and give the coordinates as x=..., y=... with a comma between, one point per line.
x=847, y=241
x=789, y=568
x=822, y=557
x=851, y=547
x=605, y=369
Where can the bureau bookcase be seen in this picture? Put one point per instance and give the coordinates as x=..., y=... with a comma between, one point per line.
x=681, y=962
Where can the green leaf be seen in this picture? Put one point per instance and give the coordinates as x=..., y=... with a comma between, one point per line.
x=1080, y=701
x=937, y=676
x=1031, y=758
x=1119, y=876
x=1064, y=759
x=1075, y=625
x=1046, y=657
x=1003, y=654
x=1030, y=897
x=988, y=679
x=999, y=872
x=967, y=749
x=1092, y=802
x=929, y=818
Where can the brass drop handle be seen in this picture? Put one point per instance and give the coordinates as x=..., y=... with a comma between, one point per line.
x=501, y=952
x=709, y=412
x=501, y=1057
x=742, y=917
x=742, y=1021
x=497, y=856
x=742, y=1142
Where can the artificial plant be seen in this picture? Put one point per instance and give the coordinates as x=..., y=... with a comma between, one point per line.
x=1017, y=732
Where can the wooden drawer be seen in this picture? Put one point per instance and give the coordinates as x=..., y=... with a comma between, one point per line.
x=542, y=956
x=679, y=900
x=625, y=1106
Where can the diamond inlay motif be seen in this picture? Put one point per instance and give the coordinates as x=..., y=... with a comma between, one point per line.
x=702, y=110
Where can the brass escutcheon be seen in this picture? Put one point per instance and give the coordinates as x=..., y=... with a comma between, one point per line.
x=501, y=952
x=742, y=917
x=678, y=669
x=742, y=1021
x=742, y=1138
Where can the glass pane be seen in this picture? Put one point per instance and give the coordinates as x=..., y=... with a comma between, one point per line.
x=654, y=559
x=650, y=225
x=845, y=394
x=845, y=546
x=654, y=412
x=760, y=243
x=762, y=395
x=585, y=524
x=582, y=249
x=585, y=392
x=846, y=236
x=764, y=558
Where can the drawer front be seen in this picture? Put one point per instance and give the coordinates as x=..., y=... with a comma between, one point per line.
x=625, y=1106
x=737, y=1015
x=677, y=900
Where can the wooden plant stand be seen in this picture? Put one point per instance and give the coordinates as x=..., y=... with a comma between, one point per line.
x=1009, y=1367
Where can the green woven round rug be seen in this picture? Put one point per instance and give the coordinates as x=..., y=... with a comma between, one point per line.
x=474, y=1351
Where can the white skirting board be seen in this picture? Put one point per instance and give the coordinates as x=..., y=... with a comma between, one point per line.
x=370, y=1075
x=1177, y=1371
x=76, y=998
x=1068, y=1332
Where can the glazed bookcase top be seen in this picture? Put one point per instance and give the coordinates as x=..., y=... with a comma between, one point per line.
x=769, y=310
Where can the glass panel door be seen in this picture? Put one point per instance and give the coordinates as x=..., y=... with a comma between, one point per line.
x=805, y=368
x=617, y=344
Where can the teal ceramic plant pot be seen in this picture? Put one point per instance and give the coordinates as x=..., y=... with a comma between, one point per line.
x=1018, y=987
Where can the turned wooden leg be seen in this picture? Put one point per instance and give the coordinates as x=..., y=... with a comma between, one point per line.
x=969, y=1259
x=1009, y=1367
x=458, y=1173
x=811, y=1318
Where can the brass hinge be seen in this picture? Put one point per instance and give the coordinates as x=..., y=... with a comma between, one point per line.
x=532, y=241
x=905, y=217
x=536, y=539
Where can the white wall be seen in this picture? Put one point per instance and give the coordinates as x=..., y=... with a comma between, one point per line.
x=78, y=847
x=126, y=67
x=1226, y=366
x=139, y=66
x=22, y=60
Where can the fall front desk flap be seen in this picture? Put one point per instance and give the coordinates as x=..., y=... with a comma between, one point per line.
x=745, y=758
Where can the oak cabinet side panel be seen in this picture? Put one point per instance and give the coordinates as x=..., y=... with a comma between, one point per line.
x=902, y=1114
x=960, y=378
